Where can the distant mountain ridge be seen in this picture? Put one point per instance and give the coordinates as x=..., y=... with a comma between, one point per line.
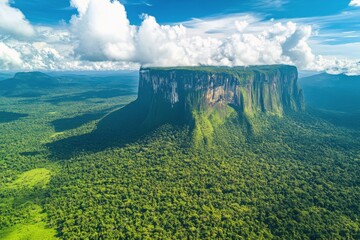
x=329, y=80
x=332, y=92
x=28, y=84
x=30, y=79
x=335, y=98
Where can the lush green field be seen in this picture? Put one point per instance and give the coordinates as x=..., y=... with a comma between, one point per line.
x=294, y=177
x=27, y=124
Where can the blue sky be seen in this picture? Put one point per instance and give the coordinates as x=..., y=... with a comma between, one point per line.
x=168, y=11
x=53, y=12
x=325, y=32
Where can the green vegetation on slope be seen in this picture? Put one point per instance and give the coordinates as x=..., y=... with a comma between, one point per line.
x=35, y=228
x=229, y=177
x=38, y=177
x=27, y=124
x=22, y=217
x=288, y=181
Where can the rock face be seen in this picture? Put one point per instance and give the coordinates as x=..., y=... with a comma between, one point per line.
x=174, y=95
x=176, y=92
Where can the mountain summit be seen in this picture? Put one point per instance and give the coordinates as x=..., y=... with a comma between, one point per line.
x=182, y=95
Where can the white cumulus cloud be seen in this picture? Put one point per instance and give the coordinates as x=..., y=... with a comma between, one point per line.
x=355, y=3
x=13, y=21
x=104, y=33
x=9, y=58
x=51, y=54
x=100, y=37
x=335, y=65
x=103, y=30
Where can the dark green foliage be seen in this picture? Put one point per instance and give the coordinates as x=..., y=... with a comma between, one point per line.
x=24, y=158
x=64, y=124
x=293, y=178
x=227, y=176
x=83, y=96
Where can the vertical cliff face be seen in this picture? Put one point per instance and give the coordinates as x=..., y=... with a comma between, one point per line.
x=187, y=94
x=174, y=93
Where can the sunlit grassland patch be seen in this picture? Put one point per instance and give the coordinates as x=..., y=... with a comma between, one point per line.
x=35, y=228
x=39, y=177
x=23, y=197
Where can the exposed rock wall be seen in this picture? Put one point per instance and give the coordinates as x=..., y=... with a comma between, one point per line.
x=251, y=90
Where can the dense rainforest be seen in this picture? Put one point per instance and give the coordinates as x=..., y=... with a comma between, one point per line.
x=294, y=176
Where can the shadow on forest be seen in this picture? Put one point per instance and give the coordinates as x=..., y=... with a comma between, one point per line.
x=91, y=94
x=6, y=117
x=114, y=130
x=119, y=128
x=64, y=124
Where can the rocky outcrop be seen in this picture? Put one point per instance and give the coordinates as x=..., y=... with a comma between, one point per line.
x=173, y=95
x=251, y=90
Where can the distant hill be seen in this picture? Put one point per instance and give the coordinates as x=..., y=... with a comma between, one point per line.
x=334, y=97
x=332, y=92
x=27, y=84
x=4, y=76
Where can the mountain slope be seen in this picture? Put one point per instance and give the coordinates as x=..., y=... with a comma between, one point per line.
x=203, y=176
x=182, y=95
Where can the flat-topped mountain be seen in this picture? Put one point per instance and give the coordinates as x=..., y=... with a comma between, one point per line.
x=28, y=84
x=30, y=79
x=271, y=89
x=177, y=95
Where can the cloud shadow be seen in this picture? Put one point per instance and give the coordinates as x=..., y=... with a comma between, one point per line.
x=6, y=117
